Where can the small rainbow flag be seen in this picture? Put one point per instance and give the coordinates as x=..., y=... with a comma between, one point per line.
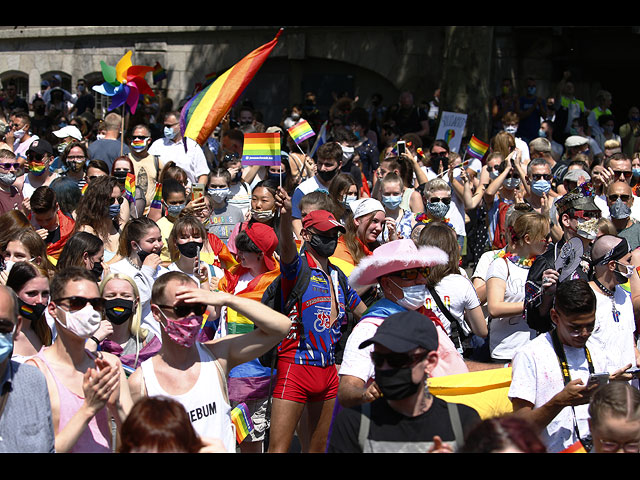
x=157, y=197
x=261, y=149
x=159, y=73
x=204, y=111
x=477, y=148
x=577, y=447
x=242, y=421
x=84, y=188
x=130, y=187
x=301, y=131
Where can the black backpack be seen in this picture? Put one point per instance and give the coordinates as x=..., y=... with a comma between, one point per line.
x=272, y=297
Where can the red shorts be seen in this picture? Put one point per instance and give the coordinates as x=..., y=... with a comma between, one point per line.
x=306, y=383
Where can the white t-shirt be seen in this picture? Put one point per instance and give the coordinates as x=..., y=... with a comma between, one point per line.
x=614, y=337
x=240, y=196
x=192, y=161
x=482, y=267
x=536, y=378
x=508, y=334
x=458, y=295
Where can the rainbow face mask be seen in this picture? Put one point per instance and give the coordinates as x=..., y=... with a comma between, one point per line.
x=37, y=168
x=139, y=144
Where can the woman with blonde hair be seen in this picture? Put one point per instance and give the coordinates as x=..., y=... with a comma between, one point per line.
x=527, y=237
x=121, y=332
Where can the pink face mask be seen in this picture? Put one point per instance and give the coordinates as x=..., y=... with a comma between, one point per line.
x=184, y=331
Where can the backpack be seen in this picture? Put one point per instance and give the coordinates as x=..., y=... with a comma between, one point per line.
x=272, y=297
x=499, y=236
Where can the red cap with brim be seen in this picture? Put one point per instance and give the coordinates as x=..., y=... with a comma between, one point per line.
x=265, y=239
x=322, y=221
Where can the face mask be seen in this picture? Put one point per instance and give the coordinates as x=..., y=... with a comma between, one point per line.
x=74, y=166
x=37, y=169
x=540, y=187
x=327, y=176
x=323, y=245
x=61, y=147
x=437, y=209
x=635, y=118
x=8, y=178
x=82, y=323
x=391, y=201
x=97, y=270
x=623, y=277
x=219, y=195
x=542, y=133
x=531, y=90
x=295, y=116
x=8, y=264
x=114, y=211
x=636, y=172
x=262, y=215
x=277, y=177
x=512, y=129
x=512, y=183
x=121, y=175
x=99, y=136
x=349, y=198
x=175, y=210
x=414, y=296
x=608, y=128
x=185, y=331
x=6, y=344
x=118, y=310
x=31, y=312
x=189, y=249
x=493, y=174
x=142, y=254
x=347, y=153
x=169, y=133
x=619, y=210
x=139, y=145
x=395, y=383
x=18, y=134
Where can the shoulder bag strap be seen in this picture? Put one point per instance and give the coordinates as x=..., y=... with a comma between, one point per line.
x=455, y=323
x=456, y=424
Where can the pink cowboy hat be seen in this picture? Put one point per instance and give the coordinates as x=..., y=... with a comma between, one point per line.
x=394, y=257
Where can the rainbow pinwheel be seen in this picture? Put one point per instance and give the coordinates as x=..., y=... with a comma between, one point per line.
x=124, y=83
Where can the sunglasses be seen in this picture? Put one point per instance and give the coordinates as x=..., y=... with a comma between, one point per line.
x=445, y=200
x=78, y=303
x=412, y=273
x=7, y=166
x=396, y=360
x=139, y=137
x=117, y=199
x=35, y=156
x=586, y=214
x=541, y=176
x=183, y=309
x=624, y=197
x=626, y=173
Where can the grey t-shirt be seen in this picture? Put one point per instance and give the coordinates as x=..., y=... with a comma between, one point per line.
x=224, y=220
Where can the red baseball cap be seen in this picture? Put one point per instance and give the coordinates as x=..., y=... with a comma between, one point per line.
x=321, y=220
x=265, y=239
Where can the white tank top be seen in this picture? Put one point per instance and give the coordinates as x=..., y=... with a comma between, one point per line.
x=206, y=403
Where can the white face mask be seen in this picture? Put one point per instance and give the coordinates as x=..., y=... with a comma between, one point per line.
x=414, y=296
x=83, y=322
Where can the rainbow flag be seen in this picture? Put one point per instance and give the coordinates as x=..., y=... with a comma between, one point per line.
x=84, y=188
x=242, y=420
x=577, y=447
x=301, y=131
x=157, y=197
x=203, y=112
x=261, y=149
x=130, y=187
x=159, y=73
x=477, y=148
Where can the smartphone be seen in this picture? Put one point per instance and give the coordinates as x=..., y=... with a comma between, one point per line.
x=402, y=147
x=197, y=191
x=598, y=379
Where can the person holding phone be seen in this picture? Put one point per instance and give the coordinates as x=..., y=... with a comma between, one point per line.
x=549, y=385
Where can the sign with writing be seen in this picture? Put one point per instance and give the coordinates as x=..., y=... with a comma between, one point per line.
x=451, y=129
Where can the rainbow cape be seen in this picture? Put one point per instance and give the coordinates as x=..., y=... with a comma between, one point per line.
x=301, y=131
x=261, y=149
x=203, y=112
x=130, y=187
x=242, y=421
x=477, y=148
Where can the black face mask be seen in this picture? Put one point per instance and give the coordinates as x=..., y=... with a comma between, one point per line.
x=327, y=175
x=396, y=383
x=97, y=270
x=118, y=310
x=189, y=249
x=31, y=312
x=143, y=255
x=323, y=245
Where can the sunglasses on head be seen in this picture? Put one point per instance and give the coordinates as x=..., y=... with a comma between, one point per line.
x=624, y=197
x=445, y=200
x=78, y=303
x=183, y=309
x=396, y=360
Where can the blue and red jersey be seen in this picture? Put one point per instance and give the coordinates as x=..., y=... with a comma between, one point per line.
x=312, y=338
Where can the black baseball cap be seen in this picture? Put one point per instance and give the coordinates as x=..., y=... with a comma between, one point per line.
x=404, y=331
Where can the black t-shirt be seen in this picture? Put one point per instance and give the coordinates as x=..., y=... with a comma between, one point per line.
x=390, y=426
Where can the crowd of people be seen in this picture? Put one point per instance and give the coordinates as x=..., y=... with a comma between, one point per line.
x=157, y=295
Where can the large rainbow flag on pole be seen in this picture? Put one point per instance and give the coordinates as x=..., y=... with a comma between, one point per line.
x=261, y=149
x=201, y=114
x=477, y=148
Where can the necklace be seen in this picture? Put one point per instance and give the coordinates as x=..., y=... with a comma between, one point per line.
x=133, y=264
x=513, y=258
x=609, y=293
